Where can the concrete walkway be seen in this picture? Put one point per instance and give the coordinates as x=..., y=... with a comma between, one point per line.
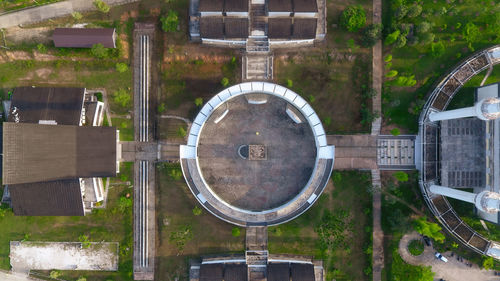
x=59, y=9
x=9, y=276
x=354, y=151
x=453, y=270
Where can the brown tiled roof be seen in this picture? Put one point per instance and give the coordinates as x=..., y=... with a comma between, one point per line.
x=84, y=37
x=236, y=6
x=280, y=28
x=211, y=27
x=302, y=272
x=305, y=6
x=63, y=105
x=236, y=27
x=278, y=272
x=54, y=198
x=279, y=5
x=211, y=272
x=211, y=6
x=304, y=28
x=38, y=153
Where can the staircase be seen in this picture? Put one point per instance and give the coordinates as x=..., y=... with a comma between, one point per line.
x=257, y=20
x=256, y=253
x=257, y=67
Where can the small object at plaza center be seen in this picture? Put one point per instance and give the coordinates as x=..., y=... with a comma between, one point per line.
x=257, y=152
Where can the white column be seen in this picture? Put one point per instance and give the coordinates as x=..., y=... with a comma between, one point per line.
x=454, y=193
x=453, y=114
x=485, y=109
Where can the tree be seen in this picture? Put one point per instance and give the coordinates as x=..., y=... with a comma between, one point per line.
x=395, y=132
x=388, y=58
x=392, y=37
x=426, y=38
x=101, y=6
x=400, y=42
x=437, y=49
x=414, y=11
x=429, y=229
x=471, y=32
x=77, y=16
x=371, y=34
x=401, y=12
x=181, y=132
x=353, y=18
x=400, y=175
x=488, y=263
x=198, y=102
x=236, y=231
x=170, y=22
x=197, y=211
x=121, y=67
x=99, y=51
x=122, y=97
x=423, y=27
x=391, y=73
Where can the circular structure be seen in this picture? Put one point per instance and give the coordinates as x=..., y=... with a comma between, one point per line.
x=257, y=154
x=429, y=142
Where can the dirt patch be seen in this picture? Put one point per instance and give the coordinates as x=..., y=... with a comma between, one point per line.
x=36, y=35
x=43, y=73
x=18, y=55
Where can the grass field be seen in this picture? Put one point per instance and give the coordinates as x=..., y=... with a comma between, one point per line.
x=345, y=205
x=206, y=235
x=332, y=75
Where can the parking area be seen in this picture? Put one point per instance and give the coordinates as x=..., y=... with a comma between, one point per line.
x=453, y=270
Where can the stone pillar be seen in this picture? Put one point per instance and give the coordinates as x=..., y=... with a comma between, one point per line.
x=485, y=201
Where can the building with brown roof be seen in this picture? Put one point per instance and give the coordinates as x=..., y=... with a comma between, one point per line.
x=54, y=153
x=84, y=37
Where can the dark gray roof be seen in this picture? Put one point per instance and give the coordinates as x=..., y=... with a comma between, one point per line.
x=310, y=6
x=280, y=28
x=64, y=105
x=84, y=37
x=54, y=198
x=235, y=272
x=279, y=5
x=236, y=6
x=211, y=5
x=278, y=272
x=236, y=27
x=302, y=272
x=304, y=28
x=36, y=153
x=211, y=27
x=211, y=272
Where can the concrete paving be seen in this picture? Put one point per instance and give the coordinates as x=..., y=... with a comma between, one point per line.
x=453, y=270
x=59, y=9
x=11, y=276
x=354, y=151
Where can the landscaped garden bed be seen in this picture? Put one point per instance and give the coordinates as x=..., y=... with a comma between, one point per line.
x=416, y=247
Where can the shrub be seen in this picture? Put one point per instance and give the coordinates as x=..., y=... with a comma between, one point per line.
x=81, y=278
x=101, y=6
x=423, y=27
x=391, y=74
x=197, y=211
x=400, y=42
x=405, y=81
x=426, y=38
x=84, y=239
x=77, y=15
x=414, y=11
x=224, y=82
x=181, y=132
x=371, y=34
x=388, y=58
x=54, y=274
x=121, y=67
x=327, y=121
x=401, y=12
x=122, y=97
x=488, y=263
x=170, y=22
x=404, y=28
x=471, y=32
x=161, y=107
x=400, y=175
x=392, y=37
x=289, y=83
x=124, y=204
x=437, y=49
x=430, y=229
x=311, y=98
x=353, y=18
x=198, y=101
x=416, y=247
x=175, y=174
x=395, y=132
x=181, y=237
x=235, y=231
x=41, y=48
x=99, y=51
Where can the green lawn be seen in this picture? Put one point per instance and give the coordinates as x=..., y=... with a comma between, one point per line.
x=337, y=229
x=448, y=19
x=126, y=127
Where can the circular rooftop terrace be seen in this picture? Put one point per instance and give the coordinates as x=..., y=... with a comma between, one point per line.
x=257, y=155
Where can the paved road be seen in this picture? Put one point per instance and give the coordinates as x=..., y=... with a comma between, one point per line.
x=453, y=270
x=60, y=9
x=4, y=276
